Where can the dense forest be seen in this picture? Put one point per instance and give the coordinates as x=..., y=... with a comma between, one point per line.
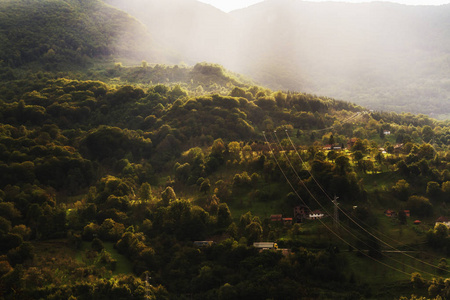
x=98, y=178
x=154, y=181
x=69, y=34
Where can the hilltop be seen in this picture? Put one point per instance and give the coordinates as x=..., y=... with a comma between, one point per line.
x=66, y=34
x=380, y=55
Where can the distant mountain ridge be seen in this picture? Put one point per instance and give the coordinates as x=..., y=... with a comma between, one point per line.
x=380, y=55
x=383, y=55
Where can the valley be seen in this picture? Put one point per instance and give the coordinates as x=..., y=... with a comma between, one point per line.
x=126, y=175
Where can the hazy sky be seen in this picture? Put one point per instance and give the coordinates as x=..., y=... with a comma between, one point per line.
x=229, y=5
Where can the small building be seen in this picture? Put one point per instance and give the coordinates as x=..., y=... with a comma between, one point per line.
x=315, y=215
x=398, y=148
x=407, y=213
x=265, y=245
x=202, y=244
x=386, y=132
x=390, y=213
x=287, y=221
x=417, y=222
x=276, y=218
x=332, y=147
x=443, y=220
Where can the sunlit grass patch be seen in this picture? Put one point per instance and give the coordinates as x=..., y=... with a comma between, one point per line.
x=122, y=266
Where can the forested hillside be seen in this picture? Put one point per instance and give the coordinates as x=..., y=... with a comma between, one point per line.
x=381, y=55
x=132, y=174
x=60, y=33
x=158, y=181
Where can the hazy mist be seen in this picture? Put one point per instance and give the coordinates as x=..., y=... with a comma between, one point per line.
x=379, y=54
x=230, y=5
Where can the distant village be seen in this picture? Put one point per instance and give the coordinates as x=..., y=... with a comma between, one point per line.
x=396, y=148
x=303, y=213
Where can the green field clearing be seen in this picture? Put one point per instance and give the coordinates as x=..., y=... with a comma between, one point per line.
x=123, y=266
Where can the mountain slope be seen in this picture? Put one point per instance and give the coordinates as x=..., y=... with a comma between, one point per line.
x=94, y=172
x=378, y=54
x=382, y=55
x=154, y=169
x=69, y=31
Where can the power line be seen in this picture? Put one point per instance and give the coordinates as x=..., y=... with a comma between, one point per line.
x=336, y=211
x=326, y=226
x=348, y=216
x=335, y=219
x=347, y=230
x=341, y=122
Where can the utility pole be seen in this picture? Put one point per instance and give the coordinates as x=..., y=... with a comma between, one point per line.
x=336, y=212
x=147, y=287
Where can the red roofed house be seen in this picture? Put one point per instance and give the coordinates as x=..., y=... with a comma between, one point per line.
x=390, y=213
x=287, y=221
x=276, y=218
